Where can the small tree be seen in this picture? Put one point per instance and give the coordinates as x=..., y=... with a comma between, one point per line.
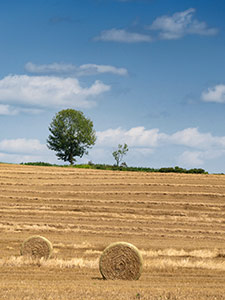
x=120, y=153
x=71, y=135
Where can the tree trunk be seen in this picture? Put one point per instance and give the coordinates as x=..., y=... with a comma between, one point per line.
x=71, y=159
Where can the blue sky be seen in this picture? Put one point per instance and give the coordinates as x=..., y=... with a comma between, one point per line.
x=149, y=73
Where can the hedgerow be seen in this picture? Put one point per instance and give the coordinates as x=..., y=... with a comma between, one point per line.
x=123, y=168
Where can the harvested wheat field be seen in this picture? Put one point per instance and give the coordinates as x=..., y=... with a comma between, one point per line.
x=177, y=221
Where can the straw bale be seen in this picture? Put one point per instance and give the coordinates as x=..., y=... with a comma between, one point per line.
x=36, y=247
x=121, y=260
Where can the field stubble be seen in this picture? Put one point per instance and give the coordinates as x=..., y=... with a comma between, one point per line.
x=177, y=221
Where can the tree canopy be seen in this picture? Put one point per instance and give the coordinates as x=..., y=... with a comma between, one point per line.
x=120, y=153
x=71, y=135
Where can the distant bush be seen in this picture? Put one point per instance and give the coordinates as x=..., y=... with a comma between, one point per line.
x=182, y=170
x=40, y=163
x=91, y=165
x=197, y=171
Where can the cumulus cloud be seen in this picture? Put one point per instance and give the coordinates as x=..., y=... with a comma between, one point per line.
x=25, y=150
x=122, y=36
x=179, y=25
x=18, y=158
x=83, y=70
x=49, y=91
x=134, y=137
x=12, y=111
x=191, y=158
x=141, y=137
x=214, y=94
x=21, y=145
x=191, y=137
x=197, y=158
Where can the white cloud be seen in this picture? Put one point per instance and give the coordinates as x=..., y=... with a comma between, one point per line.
x=83, y=70
x=198, y=158
x=50, y=68
x=191, y=158
x=49, y=91
x=17, y=158
x=167, y=27
x=22, y=145
x=98, y=69
x=7, y=110
x=214, y=94
x=147, y=138
x=135, y=154
x=179, y=25
x=134, y=137
x=11, y=110
x=191, y=137
x=123, y=36
x=25, y=150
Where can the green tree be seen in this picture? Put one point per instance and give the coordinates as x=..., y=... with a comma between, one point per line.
x=71, y=135
x=120, y=153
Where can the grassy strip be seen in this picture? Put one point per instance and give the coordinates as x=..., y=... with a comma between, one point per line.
x=121, y=168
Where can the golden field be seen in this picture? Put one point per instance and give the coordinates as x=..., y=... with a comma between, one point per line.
x=177, y=221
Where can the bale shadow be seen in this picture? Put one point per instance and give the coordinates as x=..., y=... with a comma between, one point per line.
x=98, y=278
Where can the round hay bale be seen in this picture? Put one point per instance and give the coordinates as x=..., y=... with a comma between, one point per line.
x=121, y=261
x=36, y=247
